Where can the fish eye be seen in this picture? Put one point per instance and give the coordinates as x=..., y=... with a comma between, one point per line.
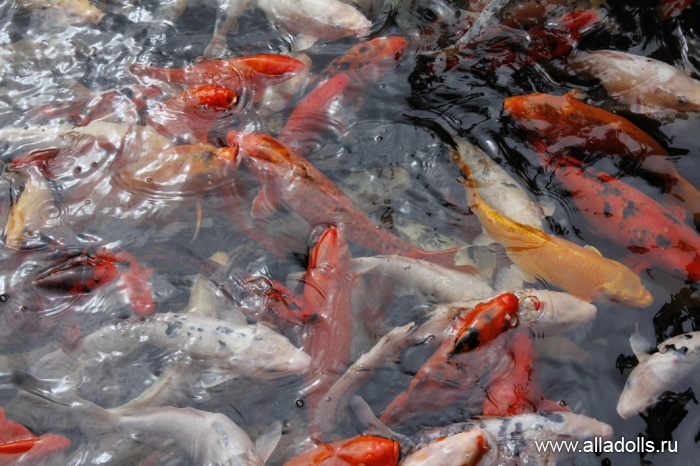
x=682, y=99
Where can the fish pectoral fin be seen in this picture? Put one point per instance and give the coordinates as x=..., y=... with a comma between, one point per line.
x=641, y=346
x=483, y=239
x=214, y=376
x=264, y=204
x=303, y=42
x=268, y=440
x=592, y=249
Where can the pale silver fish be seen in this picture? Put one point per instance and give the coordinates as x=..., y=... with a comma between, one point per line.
x=229, y=11
x=464, y=449
x=210, y=439
x=35, y=211
x=76, y=11
x=311, y=20
x=645, y=84
x=499, y=189
x=676, y=358
x=225, y=350
x=442, y=284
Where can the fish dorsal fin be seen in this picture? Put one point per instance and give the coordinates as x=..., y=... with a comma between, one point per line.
x=374, y=426
x=641, y=347
x=264, y=204
x=303, y=42
x=268, y=440
x=592, y=249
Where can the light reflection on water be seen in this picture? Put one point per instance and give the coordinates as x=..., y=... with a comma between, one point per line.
x=393, y=125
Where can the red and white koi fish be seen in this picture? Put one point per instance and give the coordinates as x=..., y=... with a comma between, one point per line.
x=242, y=74
x=363, y=450
x=631, y=219
x=645, y=84
x=327, y=290
x=286, y=176
x=676, y=358
x=456, y=372
x=311, y=20
x=19, y=446
x=567, y=122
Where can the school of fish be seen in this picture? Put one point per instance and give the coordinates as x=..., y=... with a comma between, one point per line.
x=209, y=257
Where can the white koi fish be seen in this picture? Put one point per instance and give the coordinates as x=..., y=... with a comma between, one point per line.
x=310, y=20
x=463, y=449
x=677, y=358
x=645, y=84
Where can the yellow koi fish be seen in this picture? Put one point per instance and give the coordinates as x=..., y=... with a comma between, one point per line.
x=579, y=270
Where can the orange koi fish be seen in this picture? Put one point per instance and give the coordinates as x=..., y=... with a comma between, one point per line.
x=328, y=290
x=19, y=446
x=518, y=391
x=457, y=371
x=567, y=122
x=631, y=219
x=368, y=61
x=190, y=114
x=236, y=74
x=311, y=116
x=285, y=175
x=566, y=265
x=83, y=273
x=363, y=450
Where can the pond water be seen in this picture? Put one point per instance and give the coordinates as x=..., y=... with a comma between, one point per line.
x=398, y=123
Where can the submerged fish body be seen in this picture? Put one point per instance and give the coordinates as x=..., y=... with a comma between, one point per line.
x=676, y=358
x=645, y=84
x=76, y=11
x=566, y=265
x=464, y=449
x=310, y=20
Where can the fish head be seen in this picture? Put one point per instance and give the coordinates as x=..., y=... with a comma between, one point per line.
x=653, y=376
x=260, y=147
x=537, y=112
x=79, y=11
x=548, y=312
x=273, y=68
x=626, y=289
x=368, y=450
x=271, y=356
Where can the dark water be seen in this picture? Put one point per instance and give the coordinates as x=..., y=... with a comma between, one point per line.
x=399, y=121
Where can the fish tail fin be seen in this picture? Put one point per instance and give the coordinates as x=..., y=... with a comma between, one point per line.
x=449, y=258
x=374, y=425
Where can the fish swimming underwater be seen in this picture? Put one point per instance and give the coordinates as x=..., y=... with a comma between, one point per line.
x=563, y=264
x=676, y=358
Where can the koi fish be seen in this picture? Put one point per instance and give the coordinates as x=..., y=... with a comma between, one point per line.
x=251, y=73
x=228, y=12
x=512, y=438
x=206, y=437
x=676, y=358
x=455, y=372
x=566, y=265
x=76, y=11
x=328, y=290
x=286, y=176
x=567, y=122
x=226, y=349
x=368, y=61
x=631, y=219
x=645, y=84
x=83, y=273
x=363, y=450
x=311, y=20
x=463, y=449
x=180, y=170
x=190, y=114
x=19, y=446
x=311, y=116
x=518, y=390
x=441, y=283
